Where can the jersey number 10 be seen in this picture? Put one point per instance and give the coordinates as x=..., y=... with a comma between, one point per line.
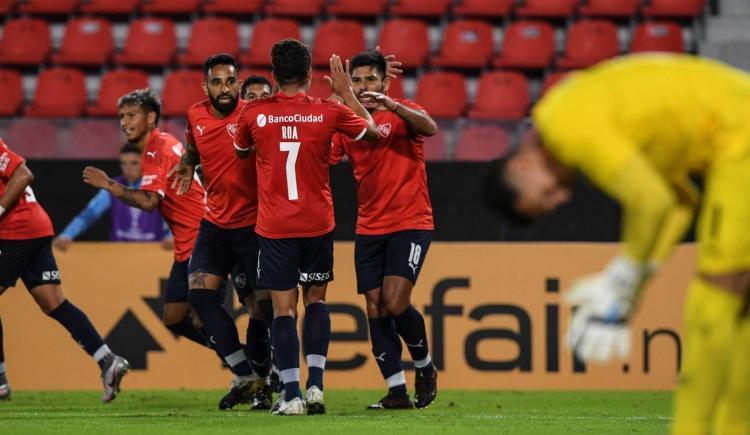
x=291, y=168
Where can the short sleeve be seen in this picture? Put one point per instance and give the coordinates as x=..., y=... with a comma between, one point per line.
x=9, y=161
x=348, y=123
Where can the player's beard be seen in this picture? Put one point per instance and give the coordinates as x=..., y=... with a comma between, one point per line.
x=224, y=108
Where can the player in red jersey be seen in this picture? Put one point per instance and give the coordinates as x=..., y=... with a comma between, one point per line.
x=290, y=133
x=26, y=252
x=226, y=240
x=139, y=116
x=394, y=228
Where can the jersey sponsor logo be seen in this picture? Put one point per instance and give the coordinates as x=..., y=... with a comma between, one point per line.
x=200, y=129
x=385, y=129
x=50, y=275
x=232, y=129
x=314, y=277
x=4, y=161
x=151, y=154
x=262, y=119
x=147, y=179
x=178, y=149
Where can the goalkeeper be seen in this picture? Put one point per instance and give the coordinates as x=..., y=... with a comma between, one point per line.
x=638, y=127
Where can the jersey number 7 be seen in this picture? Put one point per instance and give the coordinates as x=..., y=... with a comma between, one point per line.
x=291, y=167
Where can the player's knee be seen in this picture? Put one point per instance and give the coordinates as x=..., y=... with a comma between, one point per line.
x=396, y=306
x=48, y=297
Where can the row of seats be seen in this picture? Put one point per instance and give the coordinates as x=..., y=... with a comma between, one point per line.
x=100, y=139
x=371, y=8
x=61, y=92
x=466, y=43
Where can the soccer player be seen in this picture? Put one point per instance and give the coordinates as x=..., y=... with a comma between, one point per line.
x=290, y=133
x=637, y=127
x=226, y=239
x=255, y=88
x=139, y=116
x=26, y=252
x=394, y=228
x=129, y=224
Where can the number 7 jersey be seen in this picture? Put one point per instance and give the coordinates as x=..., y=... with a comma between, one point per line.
x=291, y=137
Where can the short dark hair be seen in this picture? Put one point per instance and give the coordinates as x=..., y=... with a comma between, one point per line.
x=291, y=61
x=500, y=193
x=254, y=80
x=218, y=59
x=130, y=148
x=145, y=98
x=372, y=58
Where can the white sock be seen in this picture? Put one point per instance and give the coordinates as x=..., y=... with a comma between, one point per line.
x=102, y=353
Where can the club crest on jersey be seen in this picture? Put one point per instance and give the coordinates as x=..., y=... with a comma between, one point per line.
x=385, y=129
x=4, y=160
x=232, y=129
x=261, y=120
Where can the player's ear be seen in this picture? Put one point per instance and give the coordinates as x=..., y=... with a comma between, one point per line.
x=386, y=84
x=205, y=88
x=151, y=118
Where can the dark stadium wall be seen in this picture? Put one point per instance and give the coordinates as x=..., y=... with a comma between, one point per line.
x=455, y=189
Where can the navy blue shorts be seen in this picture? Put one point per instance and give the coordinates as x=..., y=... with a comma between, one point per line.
x=401, y=254
x=31, y=260
x=219, y=251
x=284, y=263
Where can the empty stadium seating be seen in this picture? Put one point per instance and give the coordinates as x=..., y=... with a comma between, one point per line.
x=239, y=7
x=483, y=8
x=674, y=8
x=343, y=37
x=551, y=79
x=170, y=7
x=357, y=8
x=657, y=36
x=407, y=39
x=109, y=7
x=210, y=36
x=436, y=147
x=420, y=8
x=589, y=42
x=6, y=5
x=466, y=44
x=501, y=95
x=25, y=42
x=265, y=34
x=11, y=92
x=610, y=8
x=319, y=87
x=442, y=94
x=546, y=8
x=60, y=92
x=150, y=42
x=182, y=89
x=48, y=7
x=295, y=8
x=479, y=142
x=114, y=85
x=87, y=42
x=527, y=44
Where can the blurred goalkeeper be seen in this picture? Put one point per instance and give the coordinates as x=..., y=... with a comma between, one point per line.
x=637, y=127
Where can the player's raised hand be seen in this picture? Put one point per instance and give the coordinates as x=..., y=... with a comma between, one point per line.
x=95, y=177
x=339, y=80
x=383, y=99
x=183, y=177
x=392, y=66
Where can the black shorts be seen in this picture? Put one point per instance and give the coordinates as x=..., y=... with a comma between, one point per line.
x=401, y=254
x=219, y=251
x=29, y=259
x=177, y=286
x=284, y=263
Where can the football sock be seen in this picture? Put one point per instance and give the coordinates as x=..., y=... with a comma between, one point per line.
x=386, y=347
x=185, y=328
x=258, y=346
x=410, y=326
x=286, y=349
x=316, y=336
x=712, y=328
x=220, y=329
x=80, y=327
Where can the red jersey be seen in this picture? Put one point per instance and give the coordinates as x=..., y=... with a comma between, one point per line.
x=231, y=186
x=391, y=177
x=24, y=219
x=181, y=212
x=292, y=141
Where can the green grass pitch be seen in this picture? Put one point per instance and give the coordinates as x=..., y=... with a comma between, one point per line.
x=454, y=412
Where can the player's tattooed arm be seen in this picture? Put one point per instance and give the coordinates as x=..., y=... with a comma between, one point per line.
x=191, y=157
x=142, y=199
x=418, y=121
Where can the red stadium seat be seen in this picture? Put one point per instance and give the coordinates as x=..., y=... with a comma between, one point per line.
x=11, y=92
x=265, y=35
x=175, y=127
x=60, y=92
x=48, y=7
x=482, y=142
x=551, y=79
x=295, y=8
x=358, y=8
x=87, y=41
x=239, y=7
x=26, y=41
x=94, y=139
x=483, y=8
x=34, y=138
x=467, y=44
x=170, y=7
x=150, y=42
x=343, y=37
x=319, y=87
x=6, y=6
x=547, y=8
x=421, y=8
x=501, y=95
x=407, y=39
x=396, y=89
x=589, y=42
x=657, y=37
x=610, y=8
x=442, y=94
x=527, y=44
x=674, y=8
x=115, y=84
x=210, y=36
x=436, y=147
x=182, y=89
x=109, y=7
x=263, y=72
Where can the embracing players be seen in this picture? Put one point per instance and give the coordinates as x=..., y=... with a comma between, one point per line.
x=394, y=228
x=26, y=252
x=290, y=134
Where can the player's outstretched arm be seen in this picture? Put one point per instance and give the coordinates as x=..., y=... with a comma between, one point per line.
x=142, y=199
x=418, y=121
x=341, y=85
x=19, y=180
